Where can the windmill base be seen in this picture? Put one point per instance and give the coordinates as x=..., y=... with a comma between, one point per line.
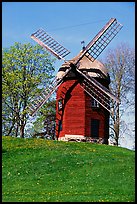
x=81, y=138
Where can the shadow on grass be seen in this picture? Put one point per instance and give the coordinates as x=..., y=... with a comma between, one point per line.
x=4, y=150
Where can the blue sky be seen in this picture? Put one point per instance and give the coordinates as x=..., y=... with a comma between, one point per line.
x=68, y=22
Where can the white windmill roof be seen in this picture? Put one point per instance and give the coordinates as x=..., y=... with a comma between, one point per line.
x=94, y=69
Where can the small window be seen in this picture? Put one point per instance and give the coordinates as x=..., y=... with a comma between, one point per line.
x=60, y=125
x=60, y=104
x=94, y=103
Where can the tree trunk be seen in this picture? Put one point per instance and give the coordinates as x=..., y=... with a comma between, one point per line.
x=10, y=130
x=22, y=125
x=22, y=131
x=17, y=129
x=116, y=126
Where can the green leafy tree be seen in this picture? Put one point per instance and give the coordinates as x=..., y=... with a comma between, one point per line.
x=26, y=71
x=120, y=63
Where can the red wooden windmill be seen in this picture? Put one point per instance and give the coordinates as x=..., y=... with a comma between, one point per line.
x=82, y=85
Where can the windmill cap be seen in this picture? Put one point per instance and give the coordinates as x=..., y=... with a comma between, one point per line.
x=94, y=69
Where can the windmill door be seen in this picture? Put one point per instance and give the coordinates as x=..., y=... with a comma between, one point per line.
x=95, y=128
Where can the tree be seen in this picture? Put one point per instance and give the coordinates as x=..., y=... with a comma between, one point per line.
x=26, y=71
x=120, y=63
x=44, y=126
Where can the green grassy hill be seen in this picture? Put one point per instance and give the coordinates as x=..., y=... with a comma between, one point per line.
x=36, y=170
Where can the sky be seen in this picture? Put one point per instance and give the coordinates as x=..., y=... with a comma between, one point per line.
x=67, y=22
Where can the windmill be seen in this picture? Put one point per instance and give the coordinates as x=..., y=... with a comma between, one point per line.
x=82, y=85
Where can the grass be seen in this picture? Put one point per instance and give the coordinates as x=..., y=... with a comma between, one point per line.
x=37, y=170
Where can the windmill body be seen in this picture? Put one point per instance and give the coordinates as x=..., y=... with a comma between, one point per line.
x=78, y=116
x=82, y=85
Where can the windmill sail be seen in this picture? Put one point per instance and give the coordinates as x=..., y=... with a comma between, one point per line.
x=92, y=50
x=47, y=42
x=97, y=91
x=38, y=102
x=101, y=40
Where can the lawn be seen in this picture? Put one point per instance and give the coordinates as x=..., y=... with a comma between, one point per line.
x=38, y=170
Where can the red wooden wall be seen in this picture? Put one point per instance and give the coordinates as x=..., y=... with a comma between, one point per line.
x=73, y=112
x=77, y=113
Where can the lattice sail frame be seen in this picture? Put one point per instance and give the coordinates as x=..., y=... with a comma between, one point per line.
x=97, y=91
x=47, y=42
x=101, y=40
x=39, y=101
